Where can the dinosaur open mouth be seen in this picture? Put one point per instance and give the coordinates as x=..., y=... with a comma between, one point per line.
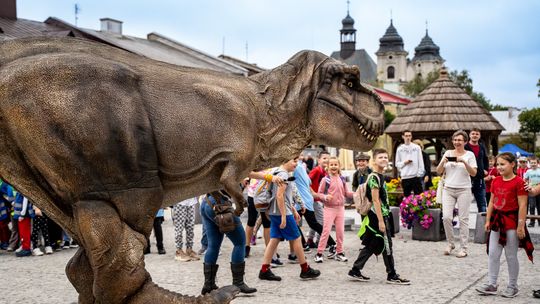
x=370, y=135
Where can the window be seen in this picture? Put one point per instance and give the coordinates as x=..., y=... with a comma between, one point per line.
x=390, y=72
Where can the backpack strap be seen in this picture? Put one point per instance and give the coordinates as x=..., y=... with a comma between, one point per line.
x=326, y=181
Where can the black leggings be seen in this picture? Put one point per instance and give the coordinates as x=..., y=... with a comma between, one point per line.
x=253, y=214
x=313, y=224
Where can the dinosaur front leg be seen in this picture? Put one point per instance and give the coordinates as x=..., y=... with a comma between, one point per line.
x=81, y=276
x=229, y=180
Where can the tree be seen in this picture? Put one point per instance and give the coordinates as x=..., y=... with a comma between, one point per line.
x=530, y=125
x=538, y=86
x=419, y=83
x=388, y=118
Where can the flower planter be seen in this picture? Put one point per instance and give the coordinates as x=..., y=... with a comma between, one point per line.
x=434, y=233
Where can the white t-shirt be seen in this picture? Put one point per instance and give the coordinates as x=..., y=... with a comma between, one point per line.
x=456, y=173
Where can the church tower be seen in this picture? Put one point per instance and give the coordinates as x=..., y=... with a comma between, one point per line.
x=391, y=60
x=426, y=58
x=348, y=37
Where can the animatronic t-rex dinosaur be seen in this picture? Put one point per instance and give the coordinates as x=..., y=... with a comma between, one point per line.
x=100, y=139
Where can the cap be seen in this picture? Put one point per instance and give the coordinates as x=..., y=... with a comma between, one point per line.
x=522, y=158
x=362, y=156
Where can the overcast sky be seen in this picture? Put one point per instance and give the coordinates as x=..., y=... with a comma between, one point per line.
x=498, y=42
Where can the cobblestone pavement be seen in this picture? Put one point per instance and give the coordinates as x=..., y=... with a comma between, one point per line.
x=435, y=278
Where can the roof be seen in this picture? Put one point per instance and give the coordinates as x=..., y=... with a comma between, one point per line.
x=391, y=41
x=389, y=96
x=348, y=23
x=427, y=50
x=21, y=28
x=443, y=107
x=509, y=119
x=360, y=58
x=251, y=67
x=159, y=47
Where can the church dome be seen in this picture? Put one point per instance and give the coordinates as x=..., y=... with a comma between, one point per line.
x=427, y=50
x=348, y=22
x=391, y=41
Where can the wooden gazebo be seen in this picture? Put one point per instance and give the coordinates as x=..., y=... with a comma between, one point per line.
x=440, y=110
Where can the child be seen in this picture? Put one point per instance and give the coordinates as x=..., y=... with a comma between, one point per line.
x=183, y=215
x=158, y=233
x=24, y=212
x=332, y=192
x=40, y=224
x=505, y=220
x=375, y=231
x=283, y=217
x=532, y=177
x=6, y=195
x=492, y=173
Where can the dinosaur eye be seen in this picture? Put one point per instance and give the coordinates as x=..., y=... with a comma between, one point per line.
x=350, y=84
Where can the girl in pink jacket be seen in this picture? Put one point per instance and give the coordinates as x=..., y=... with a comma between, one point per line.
x=332, y=192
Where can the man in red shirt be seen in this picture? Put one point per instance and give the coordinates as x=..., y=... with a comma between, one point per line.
x=478, y=184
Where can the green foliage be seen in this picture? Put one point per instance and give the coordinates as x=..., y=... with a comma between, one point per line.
x=530, y=125
x=419, y=83
x=538, y=86
x=388, y=117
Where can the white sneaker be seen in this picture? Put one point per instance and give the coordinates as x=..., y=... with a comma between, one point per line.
x=37, y=252
x=340, y=257
x=318, y=258
x=449, y=249
x=18, y=249
x=48, y=250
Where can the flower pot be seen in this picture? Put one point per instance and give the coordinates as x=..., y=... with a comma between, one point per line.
x=434, y=233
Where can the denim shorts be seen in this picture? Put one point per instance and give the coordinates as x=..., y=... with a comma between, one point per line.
x=290, y=232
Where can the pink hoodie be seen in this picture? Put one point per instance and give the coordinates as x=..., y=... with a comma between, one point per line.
x=337, y=189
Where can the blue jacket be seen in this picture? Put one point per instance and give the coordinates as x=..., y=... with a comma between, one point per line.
x=6, y=194
x=20, y=209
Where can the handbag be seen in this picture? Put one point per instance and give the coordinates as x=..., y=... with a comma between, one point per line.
x=224, y=214
x=440, y=187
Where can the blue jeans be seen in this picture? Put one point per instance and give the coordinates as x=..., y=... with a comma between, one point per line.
x=479, y=191
x=215, y=238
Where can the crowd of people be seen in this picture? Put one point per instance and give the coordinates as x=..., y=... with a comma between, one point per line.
x=278, y=198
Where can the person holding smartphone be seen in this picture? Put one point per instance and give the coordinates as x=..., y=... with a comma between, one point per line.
x=458, y=165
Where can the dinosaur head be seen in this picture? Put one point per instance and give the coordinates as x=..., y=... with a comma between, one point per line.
x=343, y=112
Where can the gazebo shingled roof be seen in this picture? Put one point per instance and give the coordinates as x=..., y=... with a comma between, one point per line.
x=440, y=110
x=443, y=107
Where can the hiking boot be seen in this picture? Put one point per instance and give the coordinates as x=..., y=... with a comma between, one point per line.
x=268, y=276
x=24, y=253
x=238, y=271
x=318, y=258
x=396, y=280
x=210, y=271
x=310, y=274
x=192, y=255
x=487, y=289
x=37, y=252
x=276, y=263
x=181, y=256
x=449, y=249
x=48, y=250
x=510, y=292
x=357, y=275
x=340, y=257
x=293, y=259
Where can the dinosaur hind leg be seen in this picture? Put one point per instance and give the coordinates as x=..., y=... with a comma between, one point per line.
x=230, y=181
x=79, y=273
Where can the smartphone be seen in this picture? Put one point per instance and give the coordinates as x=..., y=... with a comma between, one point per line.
x=451, y=158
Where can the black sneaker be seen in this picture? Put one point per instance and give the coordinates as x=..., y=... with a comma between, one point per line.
x=248, y=249
x=357, y=275
x=268, y=276
x=310, y=274
x=161, y=251
x=332, y=249
x=293, y=259
x=66, y=245
x=307, y=249
x=398, y=281
x=276, y=263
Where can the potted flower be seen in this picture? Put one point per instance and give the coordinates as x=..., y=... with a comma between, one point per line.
x=423, y=214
